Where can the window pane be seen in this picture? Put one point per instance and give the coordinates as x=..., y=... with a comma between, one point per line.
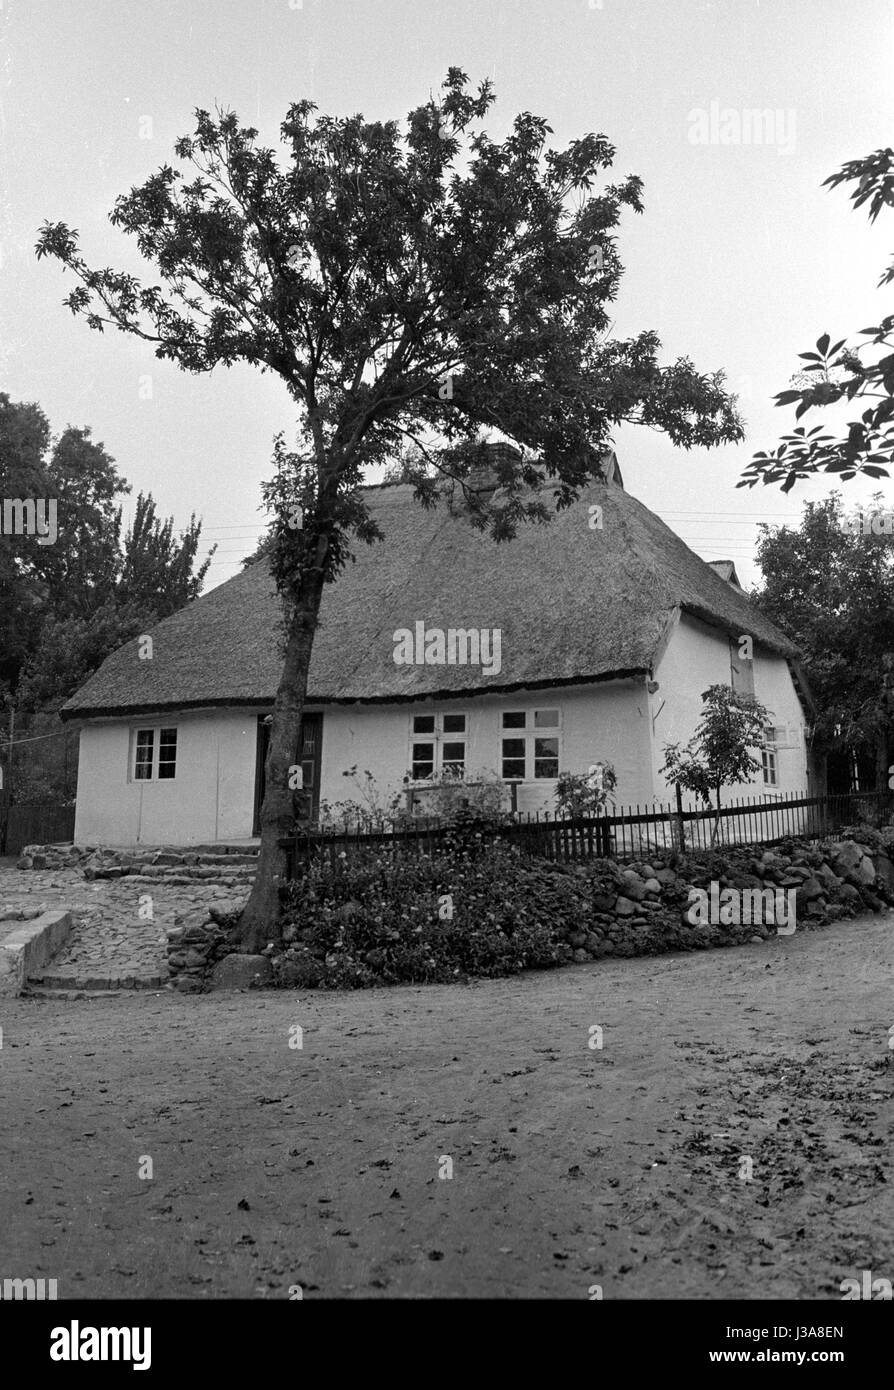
x=546, y=719
x=514, y=719
x=423, y=723
x=167, y=753
x=454, y=753
x=514, y=748
x=454, y=723
x=546, y=757
x=423, y=752
x=144, y=749
x=514, y=769
x=421, y=770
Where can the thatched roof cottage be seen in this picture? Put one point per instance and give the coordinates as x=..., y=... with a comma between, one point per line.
x=587, y=639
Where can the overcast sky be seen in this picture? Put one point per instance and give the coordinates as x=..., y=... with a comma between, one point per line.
x=740, y=260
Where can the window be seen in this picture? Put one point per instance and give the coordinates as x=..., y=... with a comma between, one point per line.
x=438, y=745
x=526, y=753
x=154, y=755
x=768, y=758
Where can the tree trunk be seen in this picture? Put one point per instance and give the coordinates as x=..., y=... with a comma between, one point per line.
x=260, y=922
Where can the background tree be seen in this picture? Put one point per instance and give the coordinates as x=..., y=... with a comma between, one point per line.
x=830, y=587
x=720, y=754
x=843, y=372
x=65, y=607
x=408, y=286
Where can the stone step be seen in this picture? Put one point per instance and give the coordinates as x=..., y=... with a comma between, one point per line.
x=95, y=984
x=35, y=991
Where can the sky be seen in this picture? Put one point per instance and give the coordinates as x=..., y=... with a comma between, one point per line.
x=739, y=262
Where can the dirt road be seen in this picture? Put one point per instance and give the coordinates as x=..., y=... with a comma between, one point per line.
x=624, y=1166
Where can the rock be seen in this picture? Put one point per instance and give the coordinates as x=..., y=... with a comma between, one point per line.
x=810, y=889
x=666, y=876
x=871, y=900
x=187, y=984
x=747, y=881
x=624, y=907
x=828, y=875
x=225, y=908
x=852, y=863
x=581, y=957
x=577, y=940
x=238, y=971
x=25, y=862
x=593, y=942
x=632, y=886
x=603, y=902
x=652, y=885
x=755, y=940
x=848, y=893
x=885, y=872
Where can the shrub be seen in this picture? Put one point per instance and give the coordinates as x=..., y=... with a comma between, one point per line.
x=477, y=906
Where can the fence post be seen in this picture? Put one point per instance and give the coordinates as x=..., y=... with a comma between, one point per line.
x=681, y=833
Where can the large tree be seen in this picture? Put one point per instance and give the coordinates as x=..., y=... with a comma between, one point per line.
x=413, y=284
x=859, y=371
x=829, y=584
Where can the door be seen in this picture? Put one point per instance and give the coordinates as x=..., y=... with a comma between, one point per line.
x=310, y=758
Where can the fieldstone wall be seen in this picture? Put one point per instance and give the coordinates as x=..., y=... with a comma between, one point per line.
x=641, y=907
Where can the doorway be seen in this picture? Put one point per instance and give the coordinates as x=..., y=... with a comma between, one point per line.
x=310, y=757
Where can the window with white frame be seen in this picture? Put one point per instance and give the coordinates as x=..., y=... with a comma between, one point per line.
x=438, y=744
x=768, y=756
x=154, y=755
x=529, y=745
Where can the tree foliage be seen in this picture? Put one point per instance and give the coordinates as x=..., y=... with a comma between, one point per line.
x=721, y=752
x=859, y=372
x=65, y=606
x=829, y=585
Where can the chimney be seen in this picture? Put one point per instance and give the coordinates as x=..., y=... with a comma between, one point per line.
x=483, y=476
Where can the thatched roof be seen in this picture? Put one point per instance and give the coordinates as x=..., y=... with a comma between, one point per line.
x=573, y=604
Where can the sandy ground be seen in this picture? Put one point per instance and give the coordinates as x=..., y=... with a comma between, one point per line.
x=573, y=1166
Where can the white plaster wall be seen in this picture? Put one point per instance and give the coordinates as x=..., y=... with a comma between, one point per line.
x=607, y=721
x=697, y=656
x=210, y=798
